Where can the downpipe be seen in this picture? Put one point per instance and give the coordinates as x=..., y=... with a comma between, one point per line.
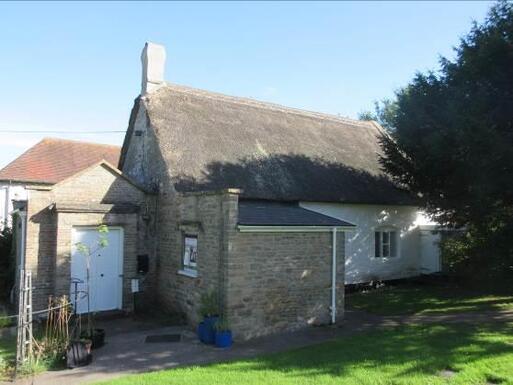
x=334, y=276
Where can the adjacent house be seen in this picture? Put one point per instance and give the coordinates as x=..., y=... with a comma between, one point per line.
x=273, y=208
x=46, y=163
x=59, y=190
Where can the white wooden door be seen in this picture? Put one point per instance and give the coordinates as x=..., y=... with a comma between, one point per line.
x=429, y=252
x=106, y=268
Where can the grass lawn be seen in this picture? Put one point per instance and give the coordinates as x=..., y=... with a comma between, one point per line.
x=412, y=355
x=426, y=299
x=7, y=356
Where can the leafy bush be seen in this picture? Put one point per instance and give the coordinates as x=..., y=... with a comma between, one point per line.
x=3, y=365
x=7, y=262
x=222, y=325
x=6, y=369
x=477, y=259
x=32, y=367
x=455, y=250
x=209, y=304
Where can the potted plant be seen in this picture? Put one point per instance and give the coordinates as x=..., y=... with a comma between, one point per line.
x=88, y=344
x=96, y=336
x=223, y=334
x=78, y=354
x=210, y=313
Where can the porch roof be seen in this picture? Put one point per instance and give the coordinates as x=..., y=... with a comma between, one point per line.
x=272, y=213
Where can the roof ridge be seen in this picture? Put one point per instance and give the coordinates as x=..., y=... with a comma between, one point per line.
x=53, y=139
x=263, y=104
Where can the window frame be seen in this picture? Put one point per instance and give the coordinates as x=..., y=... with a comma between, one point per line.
x=392, y=243
x=191, y=268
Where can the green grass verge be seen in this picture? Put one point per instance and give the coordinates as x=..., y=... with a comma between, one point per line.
x=411, y=355
x=426, y=299
x=7, y=356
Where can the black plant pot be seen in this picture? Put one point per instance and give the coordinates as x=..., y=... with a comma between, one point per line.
x=78, y=354
x=98, y=337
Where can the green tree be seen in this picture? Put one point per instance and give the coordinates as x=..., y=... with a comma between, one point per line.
x=451, y=135
x=384, y=113
x=7, y=263
x=88, y=252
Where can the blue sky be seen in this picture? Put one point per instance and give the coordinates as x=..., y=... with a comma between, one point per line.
x=75, y=66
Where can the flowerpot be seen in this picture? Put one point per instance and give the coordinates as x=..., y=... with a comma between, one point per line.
x=224, y=339
x=210, y=333
x=201, y=331
x=78, y=355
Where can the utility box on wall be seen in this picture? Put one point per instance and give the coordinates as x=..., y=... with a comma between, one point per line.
x=143, y=264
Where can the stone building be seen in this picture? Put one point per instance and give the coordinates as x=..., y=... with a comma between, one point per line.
x=274, y=209
x=262, y=204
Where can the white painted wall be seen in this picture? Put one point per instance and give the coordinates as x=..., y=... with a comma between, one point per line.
x=417, y=248
x=8, y=193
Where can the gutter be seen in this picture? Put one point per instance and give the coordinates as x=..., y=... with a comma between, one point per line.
x=291, y=229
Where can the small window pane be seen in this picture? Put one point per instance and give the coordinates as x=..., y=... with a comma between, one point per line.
x=190, y=252
x=393, y=244
x=377, y=244
x=385, y=237
x=386, y=251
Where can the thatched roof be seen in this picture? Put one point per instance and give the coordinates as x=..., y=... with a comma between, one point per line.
x=211, y=141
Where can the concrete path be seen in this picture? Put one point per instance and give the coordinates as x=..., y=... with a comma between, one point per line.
x=126, y=352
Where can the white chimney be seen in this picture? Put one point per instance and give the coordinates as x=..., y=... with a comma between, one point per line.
x=153, y=60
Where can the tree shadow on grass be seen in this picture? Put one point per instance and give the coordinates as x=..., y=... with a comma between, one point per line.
x=394, y=354
x=432, y=300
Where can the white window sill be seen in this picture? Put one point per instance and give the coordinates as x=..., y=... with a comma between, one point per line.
x=188, y=273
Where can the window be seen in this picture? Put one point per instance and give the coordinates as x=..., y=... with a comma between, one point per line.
x=190, y=252
x=385, y=243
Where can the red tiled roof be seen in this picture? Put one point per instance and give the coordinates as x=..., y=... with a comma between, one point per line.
x=53, y=160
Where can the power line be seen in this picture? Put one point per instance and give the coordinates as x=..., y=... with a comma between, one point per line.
x=61, y=132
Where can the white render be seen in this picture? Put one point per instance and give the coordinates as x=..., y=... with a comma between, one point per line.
x=417, y=247
x=153, y=58
x=8, y=194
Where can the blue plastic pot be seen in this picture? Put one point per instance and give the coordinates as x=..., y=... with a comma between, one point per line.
x=224, y=339
x=210, y=333
x=201, y=331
